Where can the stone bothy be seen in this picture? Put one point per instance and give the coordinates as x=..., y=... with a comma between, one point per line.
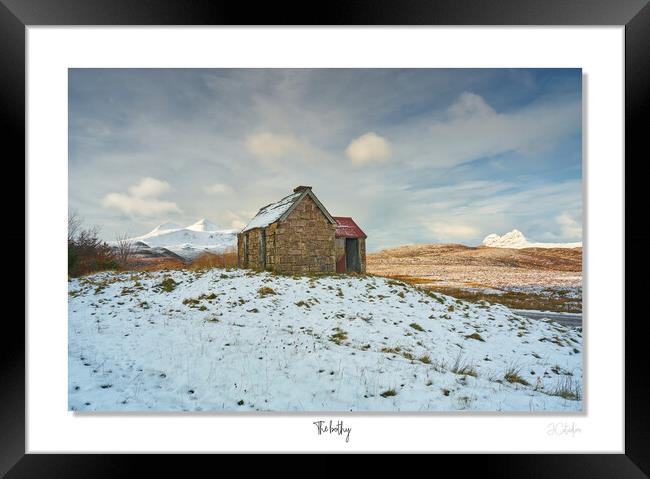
x=298, y=235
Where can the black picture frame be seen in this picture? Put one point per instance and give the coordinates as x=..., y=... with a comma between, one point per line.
x=16, y=15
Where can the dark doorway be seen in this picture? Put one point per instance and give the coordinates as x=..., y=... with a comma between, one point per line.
x=263, y=250
x=352, y=259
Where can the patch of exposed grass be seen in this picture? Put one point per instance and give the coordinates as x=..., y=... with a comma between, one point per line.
x=396, y=350
x=167, y=285
x=302, y=303
x=514, y=299
x=392, y=282
x=567, y=388
x=462, y=367
x=425, y=359
x=388, y=393
x=512, y=376
x=416, y=326
x=339, y=336
x=474, y=336
x=265, y=291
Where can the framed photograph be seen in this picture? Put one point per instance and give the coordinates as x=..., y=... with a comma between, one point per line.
x=405, y=235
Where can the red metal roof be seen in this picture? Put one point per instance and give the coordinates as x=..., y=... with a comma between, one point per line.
x=347, y=228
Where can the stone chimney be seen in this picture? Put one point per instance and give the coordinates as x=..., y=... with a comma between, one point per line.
x=301, y=188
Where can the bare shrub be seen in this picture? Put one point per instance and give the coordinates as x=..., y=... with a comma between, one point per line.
x=123, y=250
x=74, y=224
x=87, y=252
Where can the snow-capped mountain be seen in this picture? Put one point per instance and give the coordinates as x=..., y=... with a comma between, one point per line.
x=190, y=241
x=204, y=225
x=515, y=239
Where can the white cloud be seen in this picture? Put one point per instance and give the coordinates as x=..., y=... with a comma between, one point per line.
x=368, y=148
x=142, y=199
x=149, y=188
x=272, y=146
x=473, y=129
x=569, y=226
x=470, y=105
x=264, y=132
x=452, y=231
x=218, y=189
x=237, y=224
x=236, y=220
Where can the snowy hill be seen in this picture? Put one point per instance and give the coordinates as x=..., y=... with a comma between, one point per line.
x=189, y=242
x=515, y=239
x=204, y=225
x=242, y=341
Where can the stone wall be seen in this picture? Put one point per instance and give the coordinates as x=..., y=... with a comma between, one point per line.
x=252, y=239
x=303, y=242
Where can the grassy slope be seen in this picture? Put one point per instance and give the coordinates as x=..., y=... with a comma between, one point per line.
x=530, y=278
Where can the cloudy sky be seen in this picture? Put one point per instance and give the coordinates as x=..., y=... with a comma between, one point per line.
x=415, y=155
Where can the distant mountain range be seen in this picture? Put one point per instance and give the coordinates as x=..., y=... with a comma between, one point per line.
x=185, y=242
x=170, y=239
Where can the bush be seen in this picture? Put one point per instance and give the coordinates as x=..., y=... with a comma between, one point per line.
x=87, y=253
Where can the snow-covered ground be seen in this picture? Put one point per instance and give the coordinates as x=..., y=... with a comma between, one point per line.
x=516, y=239
x=243, y=341
x=190, y=241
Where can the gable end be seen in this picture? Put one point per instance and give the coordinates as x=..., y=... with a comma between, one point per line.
x=309, y=193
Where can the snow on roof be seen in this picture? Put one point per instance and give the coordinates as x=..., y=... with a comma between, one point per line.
x=347, y=228
x=271, y=213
